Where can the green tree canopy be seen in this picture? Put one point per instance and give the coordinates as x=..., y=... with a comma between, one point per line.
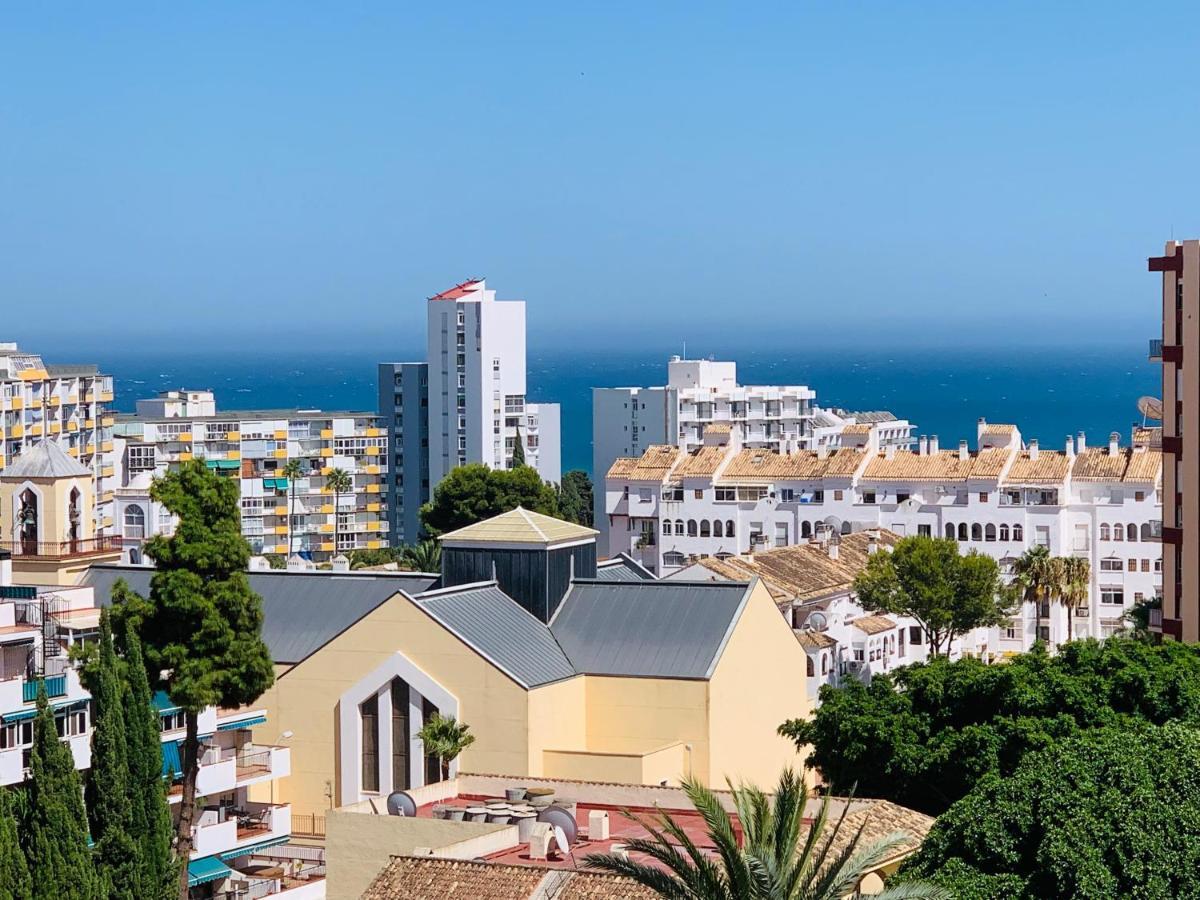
x=15, y=883
x=927, y=579
x=575, y=498
x=473, y=492
x=1111, y=812
x=925, y=734
x=445, y=738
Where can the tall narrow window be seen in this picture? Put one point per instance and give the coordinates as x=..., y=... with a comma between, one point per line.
x=369, y=711
x=433, y=772
x=400, y=774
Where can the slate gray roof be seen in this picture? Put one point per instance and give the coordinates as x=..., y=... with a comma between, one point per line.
x=46, y=460
x=302, y=611
x=500, y=630
x=622, y=567
x=664, y=629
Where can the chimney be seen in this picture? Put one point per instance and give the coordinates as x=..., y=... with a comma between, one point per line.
x=1114, y=444
x=833, y=549
x=872, y=542
x=1033, y=449
x=823, y=451
x=963, y=451
x=1070, y=449
x=5, y=568
x=889, y=451
x=933, y=444
x=1081, y=442
x=923, y=445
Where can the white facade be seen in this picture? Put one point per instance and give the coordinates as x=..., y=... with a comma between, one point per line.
x=670, y=507
x=477, y=392
x=176, y=404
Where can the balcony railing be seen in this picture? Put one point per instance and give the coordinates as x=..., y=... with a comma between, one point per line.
x=62, y=549
x=56, y=686
x=1156, y=346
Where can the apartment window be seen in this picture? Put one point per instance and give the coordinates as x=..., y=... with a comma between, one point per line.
x=369, y=712
x=837, y=495
x=983, y=496
x=1139, y=496
x=1010, y=630
x=1118, y=532
x=673, y=559
x=1112, y=596
x=172, y=721
x=726, y=493
x=1145, y=565
x=901, y=496
x=135, y=522
x=868, y=497
x=644, y=495
x=786, y=495
x=400, y=700
x=915, y=635
x=751, y=493
x=141, y=458
x=1132, y=565
x=1111, y=565
x=698, y=494
x=673, y=493
x=925, y=531
x=858, y=655
x=781, y=534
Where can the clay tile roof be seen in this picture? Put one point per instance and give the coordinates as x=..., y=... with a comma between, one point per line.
x=905, y=465
x=621, y=467
x=999, y=429
x=1049, y=468
x=702, y=463
x=520, y=525
x=1148, y=436
x=718, y=428
x=878, y=819
x=597, y=886
x=873, y=624
x=814, y=640
x=655, y=463
x=1097, y=464
x=845, y=462
x=1145, y=465
x=766, y=465
x=419, y=878
x=459, y=290
x=989, y=463
x=857, y=428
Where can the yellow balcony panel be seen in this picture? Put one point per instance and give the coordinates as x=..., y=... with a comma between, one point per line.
x=1, y=462
x=281, y=454
x=280, y=511
x=106, y=396
x=55, y=400
x=72, y=425
x=372, y=489
x=35, y=430
x=16, y=431
x=72, y=398
x=233, y=435
x=281, y=434
x=372, y=451
x=73, y=451
x=106, y=522
x=327, y=545
x=107, y=472
x=17, y=403
x=326, y=490
x=89, y=424
x=34, y=375
x=185, y=456
x=107, y=422
x=326, y=433
x=55, y=428
x=374, y=545
x=233, y=454
x=325, y=470
x=371, y=470
x=327, y=508
x=281, y=529
x=327, y=528
x=327, y=452
x=106, y=446
x=373, y=432
x=373, y=507
x=185, y=437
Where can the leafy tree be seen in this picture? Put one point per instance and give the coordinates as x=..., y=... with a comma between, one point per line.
x=575, y=499
x=108, y=785
x=292, y=470
x=518, y=454
x=1112, y=812
x=1138, y=618
x=423, y=557
x=151, y=813
x=445, y=738
x=56, y=847
x=381, y=556
x=925, y=734
x=201, y=625
x=473, y=492
x=776, y=860
x=15, y=883
x=927, y=579
x=340, y=482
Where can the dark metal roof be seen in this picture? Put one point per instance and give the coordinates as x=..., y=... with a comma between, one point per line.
x=302, y=611
x=500, y=629
x=657, y=629
x=622, y=568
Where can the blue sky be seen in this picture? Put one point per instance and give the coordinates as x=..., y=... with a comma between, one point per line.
x=834, y=172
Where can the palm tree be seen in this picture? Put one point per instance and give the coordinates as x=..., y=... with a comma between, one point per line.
x=340, y=482
x=293, y=470
x=1076, y=583
x=1039, y=576
x=423, y=557
x=445, y=738
x=776, y=860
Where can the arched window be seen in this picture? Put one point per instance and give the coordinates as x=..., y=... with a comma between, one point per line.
x=811, y=671
x=718, y=528
x=729, y=528
x=135, y=521
x=691, y=527
x=1131, y=532
x=1105, y=532
x=824, y=664
x=679, y=526
x=1018, y=533
x=962, y=531
x=705, y=530
x=949, y=531
x=673, y=559
x=1147, y=534
x=1004, y=533
x=977, y=532
x=989, y=532
x=1118, y=532
x=666, y=526
x=805, y=529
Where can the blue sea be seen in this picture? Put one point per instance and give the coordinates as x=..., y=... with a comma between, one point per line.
x=1047, y=392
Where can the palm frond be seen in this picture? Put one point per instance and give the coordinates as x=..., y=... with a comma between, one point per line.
x=648, y=876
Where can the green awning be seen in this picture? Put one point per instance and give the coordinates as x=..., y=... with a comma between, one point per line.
x=201, y=871
x=22, y=715
x=253, y=848
x=172, y=767
x=243, y=723
x=223, y=463
x=163, y=703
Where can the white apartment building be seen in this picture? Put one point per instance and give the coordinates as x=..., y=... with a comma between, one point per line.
x=670, y=507
x=67, y=405
x=700, y=393
x=254, y=447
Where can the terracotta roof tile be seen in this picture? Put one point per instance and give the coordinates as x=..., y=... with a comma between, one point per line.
x=702, y=463
x=766, y=465
x=845, y=462
x=655, y=463
x=857, y=428
x=595, y=886
x=814, y=640
x=1049, y=468
x=990, y=463
x=718, y=428
x=945, y=465
x=421, y=878
x=873, y=624
x=878, y=819
x=999, y=429
x=621, y=467
x=1144, y=466
x=1097, y=464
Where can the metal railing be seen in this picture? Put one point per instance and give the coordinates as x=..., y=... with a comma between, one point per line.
x=1156, y=348
x=61, y=549
x=308, y=825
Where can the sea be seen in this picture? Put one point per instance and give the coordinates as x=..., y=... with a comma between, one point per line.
x=1047, y=392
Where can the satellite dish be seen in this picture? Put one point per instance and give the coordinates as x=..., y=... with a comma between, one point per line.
x=560, y=820
x=817, y=621
x=401, y=803
x=1150, y=408
x=561, y=837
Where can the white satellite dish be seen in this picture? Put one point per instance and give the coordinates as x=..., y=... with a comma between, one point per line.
x=817, y=621
x=1150, y=408
x=564, y=845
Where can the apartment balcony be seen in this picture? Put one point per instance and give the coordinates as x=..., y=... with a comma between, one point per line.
x=52, y=550
x=222, y=829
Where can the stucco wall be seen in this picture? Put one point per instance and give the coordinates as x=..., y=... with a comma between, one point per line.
x=557, y=720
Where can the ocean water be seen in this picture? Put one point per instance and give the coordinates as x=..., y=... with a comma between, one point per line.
x=1047, y=392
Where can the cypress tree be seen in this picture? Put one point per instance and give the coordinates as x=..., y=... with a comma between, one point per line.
x=57, y=841
x=14, y=872
x=108, y=786
x=201, y=626
x=151, y=813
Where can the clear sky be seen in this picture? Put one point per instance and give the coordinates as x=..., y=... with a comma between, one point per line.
x=789, y=172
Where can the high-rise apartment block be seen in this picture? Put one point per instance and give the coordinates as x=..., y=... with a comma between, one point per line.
x=465, y=404
x=1178, y=350
x=255, y=446
x=67, y=405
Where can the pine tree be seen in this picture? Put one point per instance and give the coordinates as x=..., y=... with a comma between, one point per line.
x=201, y=626
x=518, y=454
x=150, y=814
x=108, y=796
x=15, y=883
x=57, y=840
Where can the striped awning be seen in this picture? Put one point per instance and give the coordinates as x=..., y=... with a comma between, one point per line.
x=202, y=871
x=172, y=766
x=253, y=848
x=21, y=715
x=163, y=703
x=243, y=723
